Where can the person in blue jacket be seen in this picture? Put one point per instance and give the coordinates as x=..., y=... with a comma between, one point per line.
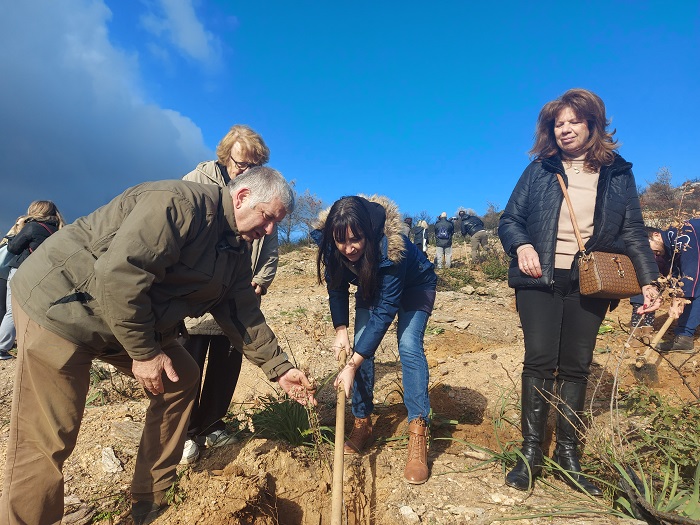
x=560, y=325
x=360, y=243
x=681, y=248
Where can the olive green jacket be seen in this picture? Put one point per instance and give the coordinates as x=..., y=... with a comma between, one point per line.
x=125, y=276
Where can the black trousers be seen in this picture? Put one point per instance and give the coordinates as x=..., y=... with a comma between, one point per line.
x=218, y=383
x=560, y=328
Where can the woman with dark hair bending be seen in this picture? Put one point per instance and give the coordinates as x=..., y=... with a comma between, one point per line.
x=360, y=244
x=559, y=324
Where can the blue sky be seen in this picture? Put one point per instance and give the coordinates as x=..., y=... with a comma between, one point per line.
x=433, y=104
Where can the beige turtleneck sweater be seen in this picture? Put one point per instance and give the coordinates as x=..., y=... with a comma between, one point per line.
x=582, y=188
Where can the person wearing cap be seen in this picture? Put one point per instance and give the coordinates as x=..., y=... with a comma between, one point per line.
x=471, y=225
x=444, y=229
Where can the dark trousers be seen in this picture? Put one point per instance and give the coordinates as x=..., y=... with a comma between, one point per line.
x=218, y=381
x=560, y=328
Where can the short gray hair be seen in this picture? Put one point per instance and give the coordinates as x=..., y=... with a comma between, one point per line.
x=264, y=184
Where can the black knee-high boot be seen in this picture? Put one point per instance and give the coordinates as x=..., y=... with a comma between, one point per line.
x=536, y=396
x=572, y=397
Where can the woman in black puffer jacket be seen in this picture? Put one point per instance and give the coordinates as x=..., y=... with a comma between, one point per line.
x=42, y=220
x=559, y=324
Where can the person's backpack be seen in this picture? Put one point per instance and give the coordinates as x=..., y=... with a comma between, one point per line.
x=442, y=232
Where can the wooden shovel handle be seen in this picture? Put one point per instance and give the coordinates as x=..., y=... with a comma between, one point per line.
x=338, y=457
x=642, y=360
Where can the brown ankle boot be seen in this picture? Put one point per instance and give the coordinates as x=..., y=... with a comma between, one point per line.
x=359, y=437
x=416, y=471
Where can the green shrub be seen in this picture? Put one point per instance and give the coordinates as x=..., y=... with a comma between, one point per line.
x=493, y=263
x=282, y=419
x=453, y=279
x=666, y=430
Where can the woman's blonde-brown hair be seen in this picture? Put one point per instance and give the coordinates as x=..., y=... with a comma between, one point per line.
x=44, y=211
x=252, y=145
x=585, y=105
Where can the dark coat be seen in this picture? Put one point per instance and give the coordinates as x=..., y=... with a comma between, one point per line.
x=532, y=215
x=470, y=224
x=28, y=239
x=444, y=223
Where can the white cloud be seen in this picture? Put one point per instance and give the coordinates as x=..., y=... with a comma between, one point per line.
x=77, y=127
x=178, y=23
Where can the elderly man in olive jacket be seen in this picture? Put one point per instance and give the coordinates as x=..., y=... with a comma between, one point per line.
x=115, y=285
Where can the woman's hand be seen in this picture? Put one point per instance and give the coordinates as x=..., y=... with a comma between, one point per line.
x=347, y=374
x=341, y=342
x=529, y=261
x=652, y=299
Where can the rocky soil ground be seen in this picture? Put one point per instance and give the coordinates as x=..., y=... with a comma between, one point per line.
x=474, y=347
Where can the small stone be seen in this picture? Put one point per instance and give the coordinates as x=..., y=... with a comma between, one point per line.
x=82, y=516
x=444, y=370
x=127, y=432
x=476, y=454
x=71, y=500
x=409, y=515
x=462, y=325
x=110, y=463
x=497, y=498
x=469, y=289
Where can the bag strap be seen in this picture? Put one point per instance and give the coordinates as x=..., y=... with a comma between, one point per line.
x=47, y=228
x=571, y=213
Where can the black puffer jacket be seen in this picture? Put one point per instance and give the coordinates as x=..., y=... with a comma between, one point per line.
x=532, y=216
x=29, y=239
x=471, y=224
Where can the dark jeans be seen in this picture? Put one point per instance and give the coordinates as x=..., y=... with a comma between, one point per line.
x=223, y=369
x=560, y=328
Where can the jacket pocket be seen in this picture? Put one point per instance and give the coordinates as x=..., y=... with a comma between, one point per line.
x=79, y=319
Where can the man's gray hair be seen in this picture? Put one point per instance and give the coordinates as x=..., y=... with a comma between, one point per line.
x=264, y=184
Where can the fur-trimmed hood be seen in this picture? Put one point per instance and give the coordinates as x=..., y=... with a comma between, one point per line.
x=393, y=248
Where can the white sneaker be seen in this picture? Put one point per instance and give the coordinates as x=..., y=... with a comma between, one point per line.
x=219, y=438
x=190, y=453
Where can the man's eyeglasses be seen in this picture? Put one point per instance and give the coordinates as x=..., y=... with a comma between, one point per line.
x=243, y=165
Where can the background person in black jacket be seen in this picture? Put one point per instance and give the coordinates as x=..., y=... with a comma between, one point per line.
x=559, y=324
x=444, y=229
x=471, y=225
x=30, y=230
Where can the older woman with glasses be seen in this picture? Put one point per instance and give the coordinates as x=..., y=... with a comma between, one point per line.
x=241, y=149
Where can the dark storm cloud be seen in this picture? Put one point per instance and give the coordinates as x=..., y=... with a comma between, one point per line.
x=75, y=127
